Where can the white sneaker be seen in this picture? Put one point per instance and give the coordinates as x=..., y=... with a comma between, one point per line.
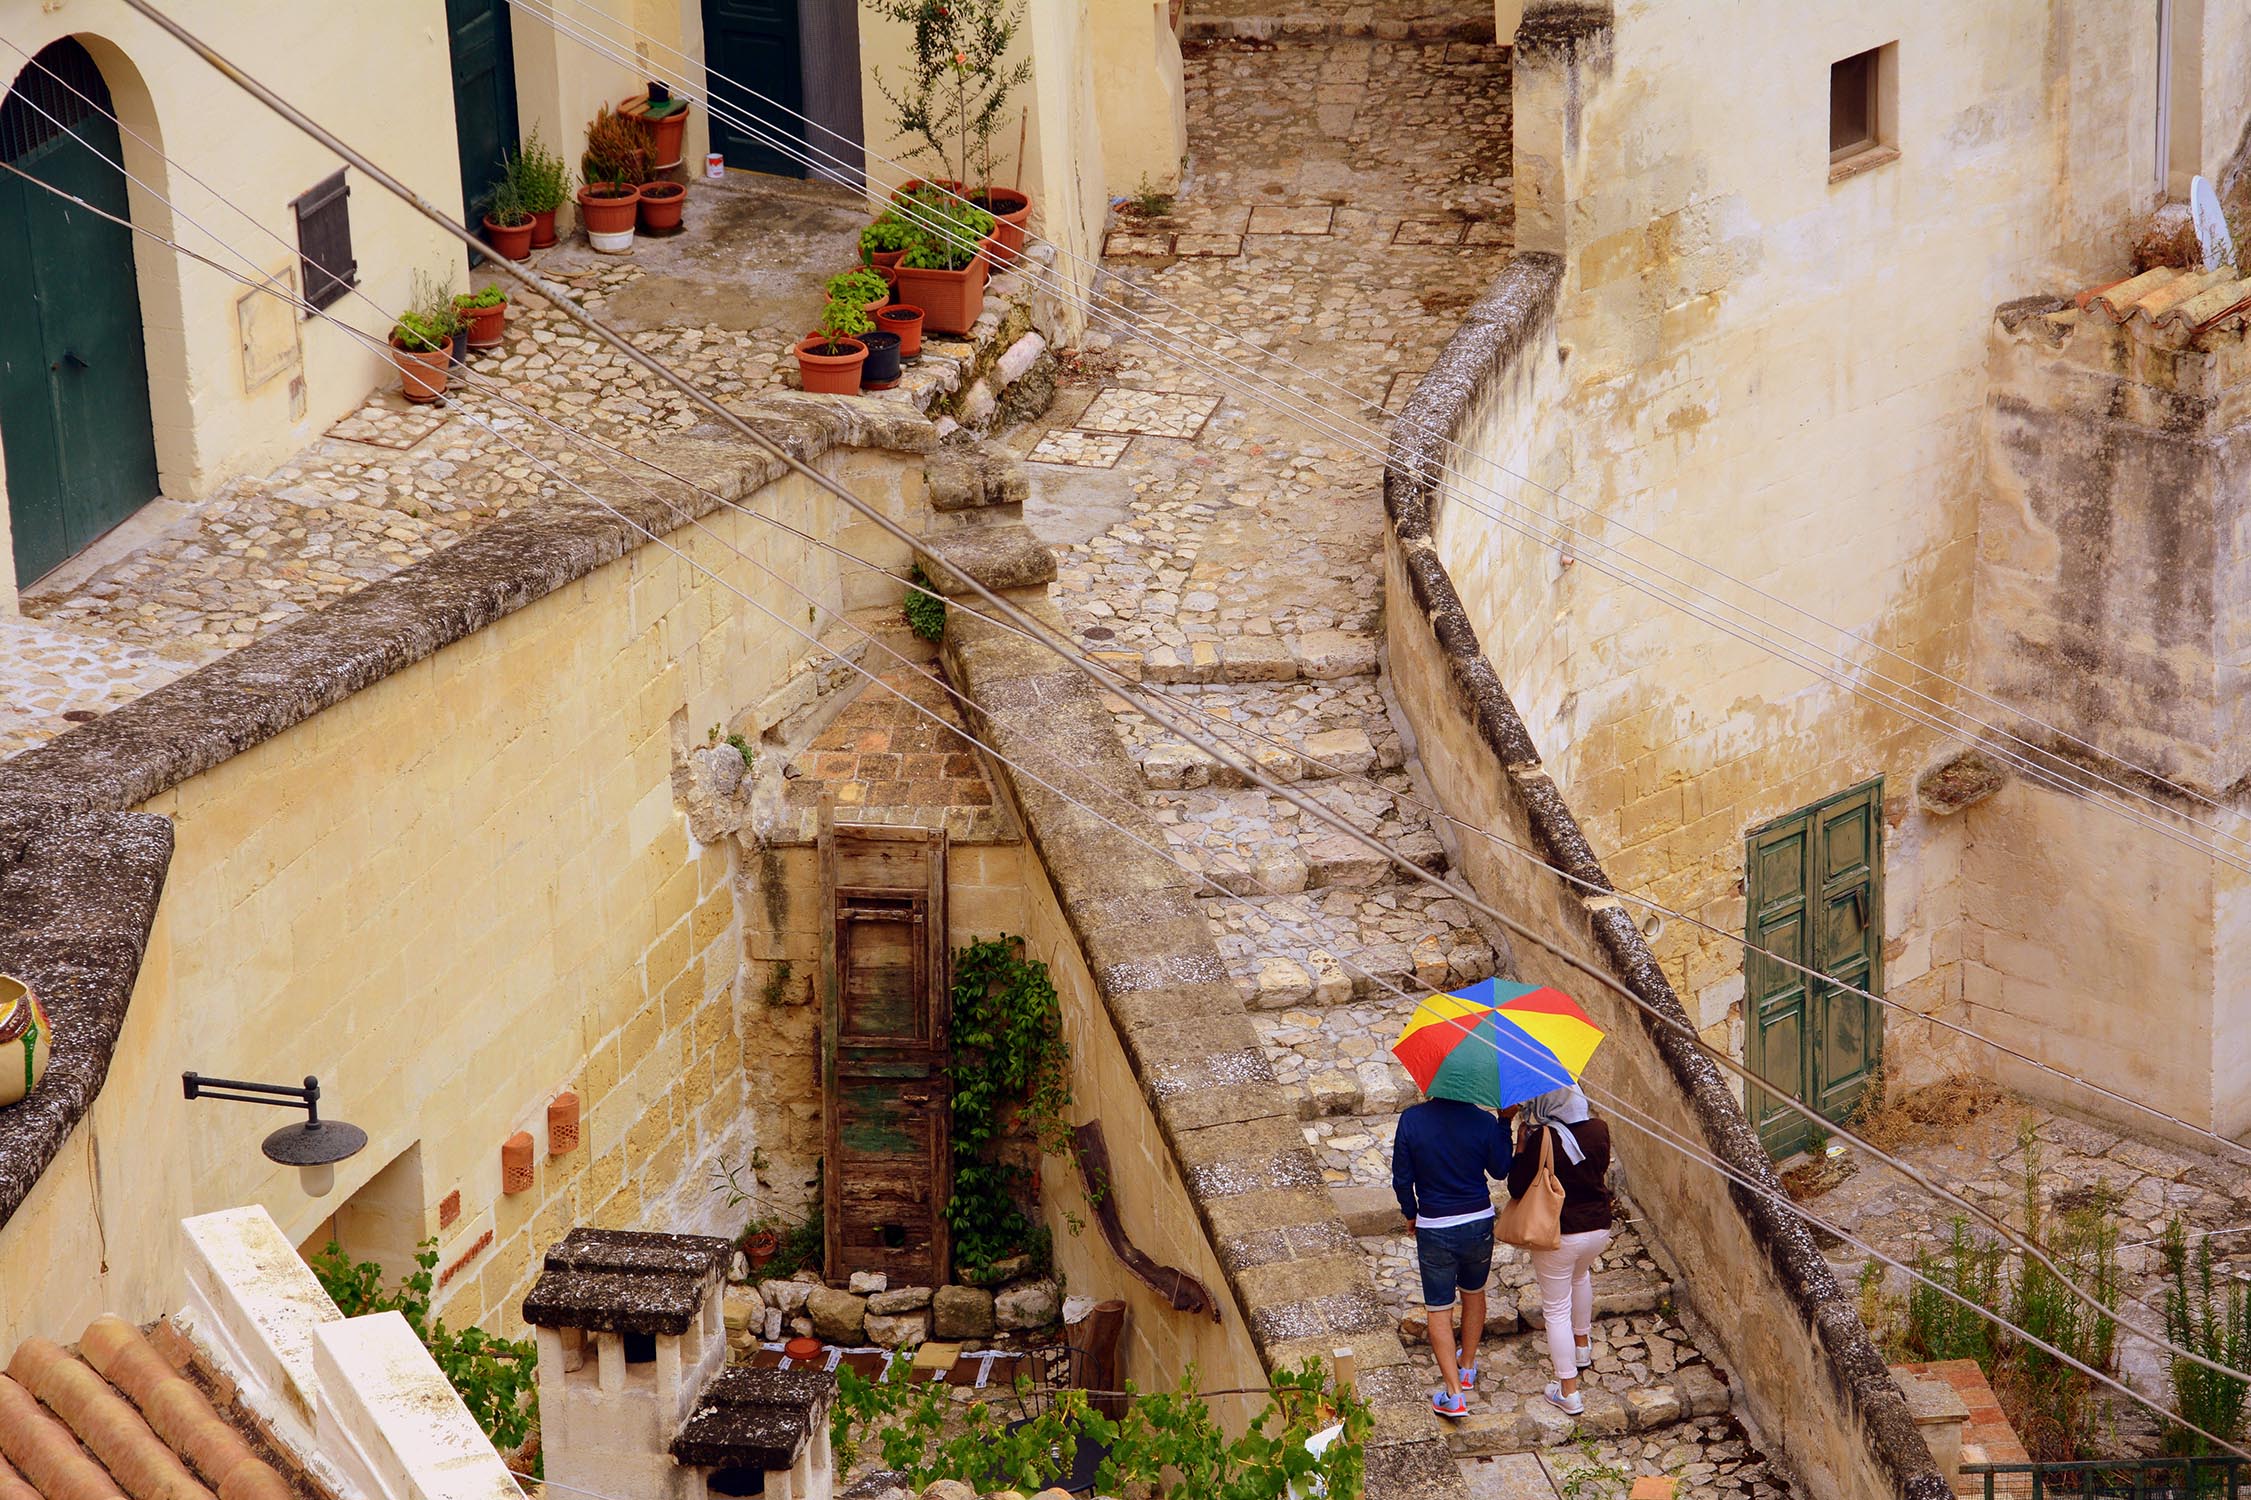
x=1584, y=1353
x=1574, y=1404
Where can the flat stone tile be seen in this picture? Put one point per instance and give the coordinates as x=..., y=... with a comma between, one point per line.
x=1131, y=243
x=1172, y=414
x=1274, y=218
x=1428, y=232
x=1225, y=245
x=1080, y=450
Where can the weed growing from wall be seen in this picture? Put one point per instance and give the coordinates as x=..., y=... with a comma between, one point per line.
x=1011, y=1072
x=925, y=612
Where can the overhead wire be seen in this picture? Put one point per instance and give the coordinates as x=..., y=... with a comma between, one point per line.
x=1102, y=676
x=2066, y=774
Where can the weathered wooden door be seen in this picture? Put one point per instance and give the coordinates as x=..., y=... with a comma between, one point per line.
x=1815, y=894
x=757, y=83
x=484, y=96
x=74, y=388
x=885, y=1103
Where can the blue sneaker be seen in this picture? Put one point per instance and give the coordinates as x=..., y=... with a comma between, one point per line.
x=1447, y=1404
x=1469, y=1377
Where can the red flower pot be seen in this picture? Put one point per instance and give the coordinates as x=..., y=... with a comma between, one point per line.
x=669, y=129
x=802, y=1348
x=661, y=206
x=760, y=1248
x=1012, y=213
x=886, y=261
x=488, y=326
x=950, y=300
x=608, y=212
x=422, y=376
x=827, y=374
x=508, y=241
x=906, y=322
x=906, y=188
x=543, y=229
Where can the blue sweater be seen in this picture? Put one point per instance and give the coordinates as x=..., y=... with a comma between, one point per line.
x=1443, y=1153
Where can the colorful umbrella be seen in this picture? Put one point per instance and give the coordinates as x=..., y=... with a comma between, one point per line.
x=1496, y=1043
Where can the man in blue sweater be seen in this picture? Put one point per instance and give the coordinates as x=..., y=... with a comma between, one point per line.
x=1440, y=1157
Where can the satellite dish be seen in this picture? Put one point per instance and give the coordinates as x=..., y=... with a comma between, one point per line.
x=2211, y=225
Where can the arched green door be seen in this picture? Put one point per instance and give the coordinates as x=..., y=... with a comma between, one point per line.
x=74, y=392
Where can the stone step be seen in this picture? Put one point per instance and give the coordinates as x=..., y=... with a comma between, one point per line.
x=1324, y=729
x=1315, y=24
x=971, y=484
x=1252, y=842
x=1002, y=558
x=1519, y=1424
x=1323, y=947
x=1314, y=655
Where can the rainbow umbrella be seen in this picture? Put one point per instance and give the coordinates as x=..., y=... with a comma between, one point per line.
x=1496, y=1043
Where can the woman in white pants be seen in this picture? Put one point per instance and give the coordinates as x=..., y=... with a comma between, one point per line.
x=1580, y=1152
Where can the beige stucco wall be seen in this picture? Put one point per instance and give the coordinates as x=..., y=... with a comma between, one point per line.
x=1781, y=377
x=458, y=892
x=1139, y=96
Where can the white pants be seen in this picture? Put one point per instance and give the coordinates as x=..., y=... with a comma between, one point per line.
x=1566, y=1279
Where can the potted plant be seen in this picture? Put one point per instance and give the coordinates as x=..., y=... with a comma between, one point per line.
x=883, y=242
x=508, y=223
x=828, y=362
x=666, y=120
x=422, y=341
x=881, y=372
x=759, y=1243
x=661, y=206
x=484, y=315
x=955, y=98
x=906, y=322
x=615, y=165
x=542, y=181
x=860, y=285
x=944, y=270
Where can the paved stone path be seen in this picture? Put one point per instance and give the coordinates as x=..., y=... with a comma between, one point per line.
x=1346, y=201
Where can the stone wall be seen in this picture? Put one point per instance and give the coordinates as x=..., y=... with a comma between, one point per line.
x=1807, y=1376
x=428, y=847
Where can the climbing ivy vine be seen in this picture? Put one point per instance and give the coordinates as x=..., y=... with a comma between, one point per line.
x=1011, y=1070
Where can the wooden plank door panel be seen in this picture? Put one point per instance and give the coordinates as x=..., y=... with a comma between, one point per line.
x=755, y=44
x=1775, y=994
x=483, y=52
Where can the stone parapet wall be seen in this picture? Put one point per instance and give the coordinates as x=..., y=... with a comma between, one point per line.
x=425, y=844
x=1805, y=1372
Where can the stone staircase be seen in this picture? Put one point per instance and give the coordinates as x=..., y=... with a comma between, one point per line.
x=977, y=530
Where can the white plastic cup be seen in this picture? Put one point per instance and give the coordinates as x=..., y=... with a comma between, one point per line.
x=715, y=166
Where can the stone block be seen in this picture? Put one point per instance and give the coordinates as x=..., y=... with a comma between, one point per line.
x=899, y=1330
x=1605, y=1415
x=867, y=1283
x=904, y=1299
x=789, y=1296
x=1551, y=1428
x=838, y=1317
x=1008, y=1268
x=955, y=478
x=1702, y=1392
x=1343, y=752
x=1027, y=1305
x=1328, y=654
x=962, y=1312
x=1484, y=1432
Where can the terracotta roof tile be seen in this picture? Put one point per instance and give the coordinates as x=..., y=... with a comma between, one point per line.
x=44, y=1453
x=118, y=1436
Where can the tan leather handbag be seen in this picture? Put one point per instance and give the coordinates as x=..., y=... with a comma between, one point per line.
x=1535, y=1221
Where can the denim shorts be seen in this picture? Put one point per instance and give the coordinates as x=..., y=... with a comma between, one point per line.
x=1459, y=1257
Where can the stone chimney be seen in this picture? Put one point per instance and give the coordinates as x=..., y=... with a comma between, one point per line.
x=632, y=1398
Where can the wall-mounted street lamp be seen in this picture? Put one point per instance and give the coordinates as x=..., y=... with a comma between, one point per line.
x=313, y=1148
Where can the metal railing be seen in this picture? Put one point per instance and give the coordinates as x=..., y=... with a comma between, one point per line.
x=2218, y=1477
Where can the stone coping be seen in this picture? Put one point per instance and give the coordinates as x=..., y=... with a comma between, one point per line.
x=1295, y=1272
x=1494, y=334
x=80, y=872
x=755, y=1419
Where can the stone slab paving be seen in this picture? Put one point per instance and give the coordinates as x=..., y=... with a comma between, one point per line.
x=1251, y=842
x=1324, y=947
x=1308, y=732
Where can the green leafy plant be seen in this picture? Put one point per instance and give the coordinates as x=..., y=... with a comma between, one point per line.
x=883, y=236
x=859, y=285
x=1590, y=1478
x=1939, y=1327
x=496, y=1378
x=1147, y=200
x=1167, y=1445
x=1011, y=1066
x=507, y=208
x=431, y=319
x=491, y=296
x=540, y=176
x=2216, y=1323
x=619, y=150
x=924, y=607
x=947, y=232
x=841, y=319
x=955, y=95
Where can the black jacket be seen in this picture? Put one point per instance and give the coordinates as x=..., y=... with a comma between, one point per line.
x=1586, y=1198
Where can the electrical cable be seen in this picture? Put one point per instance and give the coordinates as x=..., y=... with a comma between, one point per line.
x=1100, y=675
x=840, y=170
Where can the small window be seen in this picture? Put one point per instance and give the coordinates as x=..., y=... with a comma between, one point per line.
x=1861, y=95
x=324, y=241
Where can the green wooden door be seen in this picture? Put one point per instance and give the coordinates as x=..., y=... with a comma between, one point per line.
x=1814, y=883
x=484, y=96
x=74, y=392
x=757, y=78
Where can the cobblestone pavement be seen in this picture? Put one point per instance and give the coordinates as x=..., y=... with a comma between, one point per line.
x=390, y=484
x=1343, y=207
x=2137, y=1185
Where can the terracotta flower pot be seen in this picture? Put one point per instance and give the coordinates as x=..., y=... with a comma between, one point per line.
x=830, y=374
x=950, y=300
x=886, y=261
x=488, y=326
x=661, y=206
x=760, y=1248
x=802, y=1348
x=906, y=322
x=543, y=229
x=24, y=1036
x=1012, y=213
x=906, y=188
x=508, y=241
x=871, y=308
x=608, y=214
x=881, y=372
x=422, y=376
x=669, y=129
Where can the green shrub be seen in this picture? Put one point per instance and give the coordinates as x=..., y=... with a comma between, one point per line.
x=507, y=209
x=2216, y=1324
x=432, y=319
x=924, y=608
x=885, y=235
x=619, y=149
x=1011, y=1067
x=858, y=285
x=1939, y=1327
x=947, y=232
x=540, y=176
